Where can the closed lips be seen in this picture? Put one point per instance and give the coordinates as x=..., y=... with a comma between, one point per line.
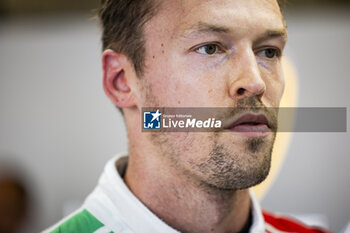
x=250, y=120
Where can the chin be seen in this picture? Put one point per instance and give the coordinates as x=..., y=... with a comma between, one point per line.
x=232, y=168
x=238, y=180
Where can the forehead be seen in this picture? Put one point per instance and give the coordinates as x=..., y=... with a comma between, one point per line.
x=179, y=17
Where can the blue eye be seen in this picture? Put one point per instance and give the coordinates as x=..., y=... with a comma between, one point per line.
x=208, y=49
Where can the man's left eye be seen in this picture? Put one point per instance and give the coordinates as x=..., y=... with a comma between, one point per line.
x=209, y=49
x=269, y=53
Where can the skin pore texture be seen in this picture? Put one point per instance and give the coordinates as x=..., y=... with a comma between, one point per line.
x=199, y=53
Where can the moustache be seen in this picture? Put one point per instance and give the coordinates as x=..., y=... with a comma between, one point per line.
x=250, y=106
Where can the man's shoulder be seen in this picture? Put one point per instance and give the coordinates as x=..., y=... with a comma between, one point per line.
x=81, y=221
x=282, y=223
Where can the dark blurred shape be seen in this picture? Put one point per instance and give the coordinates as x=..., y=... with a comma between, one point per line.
x=13, y=204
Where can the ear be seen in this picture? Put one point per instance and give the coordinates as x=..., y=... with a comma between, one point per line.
x=117, y=72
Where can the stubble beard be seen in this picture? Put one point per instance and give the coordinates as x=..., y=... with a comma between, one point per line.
x=224, y=167
x=227, y=169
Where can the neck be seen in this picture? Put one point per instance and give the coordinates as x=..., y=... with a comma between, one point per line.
x=183, y=203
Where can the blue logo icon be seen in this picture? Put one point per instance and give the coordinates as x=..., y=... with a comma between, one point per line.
x=151, y=120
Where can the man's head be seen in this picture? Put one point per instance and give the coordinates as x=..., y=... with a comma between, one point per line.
x=213, y=53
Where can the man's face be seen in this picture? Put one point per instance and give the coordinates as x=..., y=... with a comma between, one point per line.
x=218, y=53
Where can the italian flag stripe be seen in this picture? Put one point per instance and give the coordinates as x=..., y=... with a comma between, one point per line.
x=83, y=221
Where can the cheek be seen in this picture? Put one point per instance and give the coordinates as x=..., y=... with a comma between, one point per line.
x=184, y=84
x=274, y=90
x=204, y=83
x=274, y=82
x=159, y=81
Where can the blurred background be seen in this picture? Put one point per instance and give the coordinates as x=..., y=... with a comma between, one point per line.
x=57, y=128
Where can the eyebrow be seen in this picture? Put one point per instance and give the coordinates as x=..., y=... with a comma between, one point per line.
x=279, y=33
x=203, y=27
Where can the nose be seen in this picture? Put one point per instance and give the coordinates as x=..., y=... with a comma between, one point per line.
x=248, y=81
